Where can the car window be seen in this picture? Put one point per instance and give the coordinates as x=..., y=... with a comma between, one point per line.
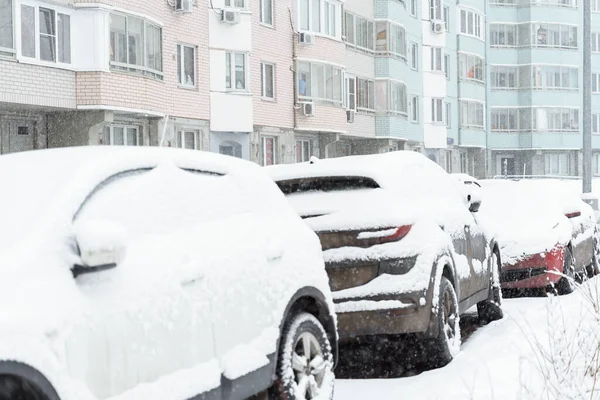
x=326, y=184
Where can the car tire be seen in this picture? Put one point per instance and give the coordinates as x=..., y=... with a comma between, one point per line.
x=594, y=268
x=566, y=284
x=447, y=344
x=491, y=309
x=299, y=378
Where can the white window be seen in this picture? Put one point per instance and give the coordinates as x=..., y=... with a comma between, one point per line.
x=548, y=35
x=463, y=162
x=303, y=150
x=447, y=66
x=413, y=7
x=186, y=65
x=447, y=18
x=319, y=82
x=188, y=139
x=414, y=56
x=470, y=24
x=121, y=135
x=231, y=148
x=448, y=113
x=471, y=114
x=470, y=67
x=135, y=46
x=366, y=94
x=596, y=83
x=448, y=158
x=7, y=43
x=360, y=32
x=503, y=35
x=556, y=163
x=266, y=12
x=350, y=93
x=549, y=77
x=436, y=59
x=596, y=42
x=235, y=71
x=505, y=119
x=235, y=3
x=391, y=38
x=595, y=123
x=596, y=164
x=435, y=10
x=391, y=97
x=45, y=34
x=437, y=110
x=595, y=5
x=414, y=109
x=267, y=80
x=397, y=97
x=269, y=149
x=504, y=77
x=320, y=16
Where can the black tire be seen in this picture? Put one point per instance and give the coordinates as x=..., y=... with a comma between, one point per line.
x=13, y=388
x=566, y=284
x=446, y=345
x=304, y=331
x=491, y=309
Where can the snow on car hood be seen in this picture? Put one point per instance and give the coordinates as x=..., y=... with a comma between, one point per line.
x=528, y=217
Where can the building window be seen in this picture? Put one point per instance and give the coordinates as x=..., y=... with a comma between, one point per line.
x=504, y=77
x=470, y=24
x=235, y=3
x=471, y=114
x=414, y=56
x=267, y=80
x=435, y=10
x=505, y=119
x=235, y=71
x=414, y=109
x=186, y=65
x=266, y=12
x=366, y=94
x=391, y=39
x=319, y=16
x=269, y=149
x=463, y=162
x=447, y=66
x=319, y=82
x=448, y=158
x=53, y=33
x=549, y=35
x=436, y=59
x=360, y=32
x=596, y=83
x=7, y=40
x=447, y=18
x=596, y=42
x=448, y=113
x=437, y=111
x=303, y=150
x=188, y=139
x=470, y=67
x=596, y=164
x=231, y=148
x=595, y=123
x=549, y=77
x=350, y=100
x=413, y=7
x=391, y=97
x=556, y=164
x=503, y=35
x=538, y=119
x=595, y=5
x=121, y=135
x=135, y=46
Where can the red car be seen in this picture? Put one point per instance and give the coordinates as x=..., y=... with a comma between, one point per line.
x=546, y=233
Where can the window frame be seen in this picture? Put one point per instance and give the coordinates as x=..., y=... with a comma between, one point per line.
x=392, y=31
x=263, y=149
x=469, y=104
x=263, y=91
x=463, y=61
x=181, y=65
x=548, y=159
x=11, y=51
x=181, y=138
x=311, y=67
x=352, y=41
x=414, y=56
x=243, y=7
x=448, y=114
x=446, y=17
x=435, y=10
x=231, y=56
x=323, y=5
x=369, y=94
x=474, y=20
x=37, y=34
x=139, y=136
x=262, y=15
x=414, y=108
x=447, y=65
x=435, y=59
x=413, y=8
x=437, y=110
x=301, y=141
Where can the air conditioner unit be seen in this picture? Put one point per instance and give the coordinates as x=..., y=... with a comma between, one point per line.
x=230, y=16
x=437, y=26
x=308, y=109
x=306, y=38
x=350, y=116
x=184, y=6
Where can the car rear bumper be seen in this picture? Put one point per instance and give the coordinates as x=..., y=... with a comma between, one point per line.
x=534, y=271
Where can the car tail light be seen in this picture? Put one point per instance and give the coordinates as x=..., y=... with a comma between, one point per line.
x=385, y=236
x=573, y=214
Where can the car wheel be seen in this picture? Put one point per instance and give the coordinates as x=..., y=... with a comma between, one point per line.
x=491, y=309
x=566, y=284
x=447, y=344
x=594, y=268
x=305, y=364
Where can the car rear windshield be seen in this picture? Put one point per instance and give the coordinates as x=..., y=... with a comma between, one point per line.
x=326, y=184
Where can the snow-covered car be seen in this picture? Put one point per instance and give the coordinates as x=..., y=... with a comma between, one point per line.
x=402, y=247
x=149, y=273
x=547, y=234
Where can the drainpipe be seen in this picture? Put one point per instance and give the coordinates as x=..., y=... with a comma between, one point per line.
x=293, y=67
x=487, y=86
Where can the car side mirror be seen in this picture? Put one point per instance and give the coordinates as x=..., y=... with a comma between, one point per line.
x=101, y=246
x=474, y=206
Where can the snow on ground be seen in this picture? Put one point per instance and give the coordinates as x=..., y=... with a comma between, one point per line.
x=504, y=359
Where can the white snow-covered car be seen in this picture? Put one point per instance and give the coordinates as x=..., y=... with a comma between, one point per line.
x=149, y=273
x=402, y=246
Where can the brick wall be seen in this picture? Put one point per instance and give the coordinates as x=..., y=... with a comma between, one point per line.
x=36, y=85
x=133, y=91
